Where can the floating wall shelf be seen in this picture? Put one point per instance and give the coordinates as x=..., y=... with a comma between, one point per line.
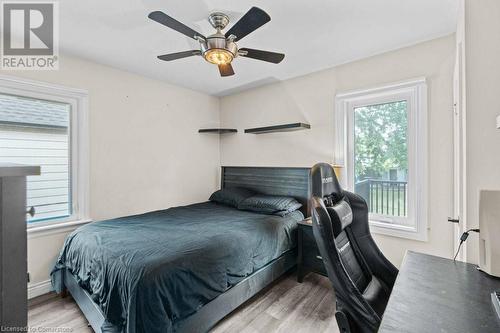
x=278, y=128
x=218, y=130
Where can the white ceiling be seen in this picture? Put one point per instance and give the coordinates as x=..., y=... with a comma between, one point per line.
x=314, y=35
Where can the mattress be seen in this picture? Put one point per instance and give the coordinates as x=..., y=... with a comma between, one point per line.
x=146, y=272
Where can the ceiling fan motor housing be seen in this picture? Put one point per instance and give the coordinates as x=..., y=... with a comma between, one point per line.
x=218, y=20
x=217, y=45
x=218, y=41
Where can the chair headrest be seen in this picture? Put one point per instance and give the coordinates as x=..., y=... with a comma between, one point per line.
x=325, y=182
x=337, y=216
x=340, y=215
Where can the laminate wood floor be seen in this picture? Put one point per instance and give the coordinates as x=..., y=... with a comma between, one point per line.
x=286, y=306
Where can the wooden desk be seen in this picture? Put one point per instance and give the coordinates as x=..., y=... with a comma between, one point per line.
x=433, y=294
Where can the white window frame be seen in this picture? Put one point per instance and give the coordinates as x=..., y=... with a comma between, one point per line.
x=79, y=145
x=415, y=93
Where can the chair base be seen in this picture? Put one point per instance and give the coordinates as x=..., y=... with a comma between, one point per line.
x=342, y=322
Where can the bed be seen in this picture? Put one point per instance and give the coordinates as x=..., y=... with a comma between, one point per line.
x=185, y=268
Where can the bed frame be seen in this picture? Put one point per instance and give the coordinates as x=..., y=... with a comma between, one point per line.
x=268, y=180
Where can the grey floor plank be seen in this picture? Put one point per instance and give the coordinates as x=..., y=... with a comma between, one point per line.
x=286, y=306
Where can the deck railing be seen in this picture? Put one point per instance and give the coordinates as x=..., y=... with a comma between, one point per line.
x=385, y=197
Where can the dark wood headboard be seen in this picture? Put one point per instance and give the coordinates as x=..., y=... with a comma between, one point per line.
x=293, y=182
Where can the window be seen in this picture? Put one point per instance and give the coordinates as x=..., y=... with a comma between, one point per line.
x=381, y=139
x=34, y=131
x=46, y=126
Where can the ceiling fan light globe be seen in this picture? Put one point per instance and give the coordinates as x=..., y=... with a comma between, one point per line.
x=218, y=56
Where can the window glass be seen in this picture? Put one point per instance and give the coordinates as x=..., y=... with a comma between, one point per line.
x=36, y=132
x=381, y=157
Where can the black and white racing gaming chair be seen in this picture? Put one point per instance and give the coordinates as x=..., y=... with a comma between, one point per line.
x=361, y=276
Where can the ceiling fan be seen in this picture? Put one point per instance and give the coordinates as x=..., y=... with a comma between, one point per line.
x=221, y=49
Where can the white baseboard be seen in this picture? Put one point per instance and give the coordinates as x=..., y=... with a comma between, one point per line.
x=39, y=288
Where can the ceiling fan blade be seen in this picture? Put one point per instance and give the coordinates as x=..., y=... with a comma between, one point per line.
x=226, y=70
x=166, y=20
x=273, y=57
x=179, y=55
x=251, y=21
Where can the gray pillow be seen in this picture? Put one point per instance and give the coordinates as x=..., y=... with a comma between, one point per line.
x=231, y=196
x=270, y=204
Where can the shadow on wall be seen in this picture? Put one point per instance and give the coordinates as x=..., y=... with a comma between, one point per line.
x=273, y=102
x=246, y=86
x=282, y=102
x=253, y=108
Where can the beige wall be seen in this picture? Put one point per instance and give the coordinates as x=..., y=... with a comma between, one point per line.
x=311, y=99
x=145, y=151
x=482, y=49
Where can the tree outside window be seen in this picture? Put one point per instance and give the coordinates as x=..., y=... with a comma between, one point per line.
x=381, y=156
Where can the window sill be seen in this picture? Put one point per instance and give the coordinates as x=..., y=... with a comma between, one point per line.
x=400, y=231
x=55, y=228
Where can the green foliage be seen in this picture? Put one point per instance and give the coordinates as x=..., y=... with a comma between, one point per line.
x=380, y=139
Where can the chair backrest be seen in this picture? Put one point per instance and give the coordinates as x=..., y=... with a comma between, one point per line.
x=361, y=276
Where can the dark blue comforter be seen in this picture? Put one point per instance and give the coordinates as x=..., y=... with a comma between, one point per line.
x=146, y=272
